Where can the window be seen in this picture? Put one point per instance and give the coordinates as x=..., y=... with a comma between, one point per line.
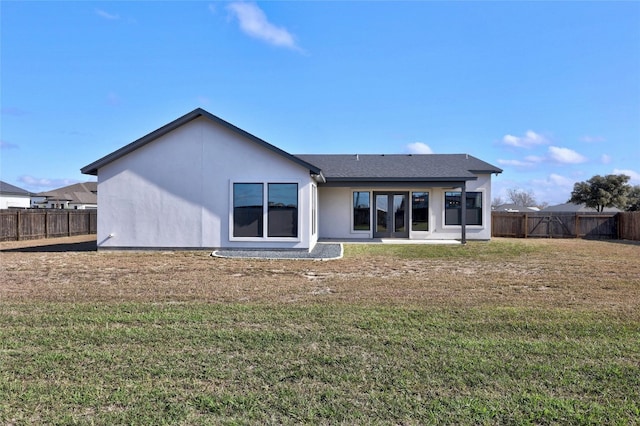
x=361, y=211
x=453, y=208
x=250, y=212
x=282, y=217
x=247, y=210
x=419, y=211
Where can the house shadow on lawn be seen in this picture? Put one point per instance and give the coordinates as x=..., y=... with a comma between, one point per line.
x=82, y=246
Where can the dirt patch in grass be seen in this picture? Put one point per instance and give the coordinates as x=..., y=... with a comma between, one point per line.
x=572, y=274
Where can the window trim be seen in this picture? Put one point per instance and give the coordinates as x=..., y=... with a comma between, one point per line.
x=430, y=224
x=269, y=210
x=314, y=209
x=265, y=211
x=468, y=226
x=351, y=211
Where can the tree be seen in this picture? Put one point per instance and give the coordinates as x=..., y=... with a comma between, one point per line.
x=520, y=197
x=497, y=201
x=602, y=191
x=633, y=199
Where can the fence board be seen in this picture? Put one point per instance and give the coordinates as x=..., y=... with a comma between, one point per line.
x=629, y=226
x=554, y=225
x=40, y=223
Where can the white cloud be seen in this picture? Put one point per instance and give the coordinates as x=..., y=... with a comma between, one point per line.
x=534, y=159
x=254, y=23
x=554, y=189
x=635, y=176
x=515, y=163
x=605, y=159
x=592, y=139
x=529, y=161
x=530, y=139
x=107, y=15
x=419, y=148
x=45, y=183
x=565, y=155
x=558, y=180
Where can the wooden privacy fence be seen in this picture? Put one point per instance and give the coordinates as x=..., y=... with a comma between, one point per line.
x=629, y=226
x=566, y=225
x=30, y=224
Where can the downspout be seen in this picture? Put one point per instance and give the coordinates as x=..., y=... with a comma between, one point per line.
x=463, y=213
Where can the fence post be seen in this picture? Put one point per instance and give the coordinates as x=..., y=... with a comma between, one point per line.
x=577, y=225
x=525, y=225
x=18, y=216
x=68, y=223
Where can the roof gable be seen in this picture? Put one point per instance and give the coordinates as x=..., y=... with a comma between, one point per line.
x=8, y=189
x=92, y=169
x=78, y=193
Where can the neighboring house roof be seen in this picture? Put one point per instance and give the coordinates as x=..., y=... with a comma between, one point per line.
x=514, y=208
x=396, y=167
x=8, y=189
x=92, y=169
x=79, y=193
x=577, y=208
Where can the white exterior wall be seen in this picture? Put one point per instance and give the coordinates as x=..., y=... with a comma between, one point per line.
x=336, y=212
x=15, y=201
x=176, y=191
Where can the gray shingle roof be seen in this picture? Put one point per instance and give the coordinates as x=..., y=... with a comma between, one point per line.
x=577, y=208
x=78, y=193
x=412, y=167
x=8, y=189
x=345, y=168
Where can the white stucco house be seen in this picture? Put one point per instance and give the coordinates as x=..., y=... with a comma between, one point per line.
x=79, y=196
x=13, y=197
x=201, y=182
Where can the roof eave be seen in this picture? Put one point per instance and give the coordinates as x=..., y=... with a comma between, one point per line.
x=401, y=179
x=92, y=169
x=492, y=171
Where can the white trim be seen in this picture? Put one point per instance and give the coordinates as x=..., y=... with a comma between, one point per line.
x=265, y=212
x=444, y=209
x=314, y=210
x=430, y=223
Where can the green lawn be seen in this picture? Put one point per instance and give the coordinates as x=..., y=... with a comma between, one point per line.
x=563, y=350
x=228, y=364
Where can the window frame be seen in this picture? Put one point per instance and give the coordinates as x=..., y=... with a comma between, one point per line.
x=272, y=209
x=429, y=224
x=265, y=211
x=468, y=225
x=233, y=210
x=352, y=225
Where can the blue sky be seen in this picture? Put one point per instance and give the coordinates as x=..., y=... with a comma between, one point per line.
x=548, y=91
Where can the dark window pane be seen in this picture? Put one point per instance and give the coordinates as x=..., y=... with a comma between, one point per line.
x=361, y=211
x=399, y=208
x=247, y=210
x=382, y=206
x=453, y=209
x=420, y=211
x=283, y=210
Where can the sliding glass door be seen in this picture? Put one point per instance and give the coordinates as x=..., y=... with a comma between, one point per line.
x=391, y=215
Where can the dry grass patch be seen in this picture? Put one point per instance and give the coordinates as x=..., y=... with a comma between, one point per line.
x=572, y=274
